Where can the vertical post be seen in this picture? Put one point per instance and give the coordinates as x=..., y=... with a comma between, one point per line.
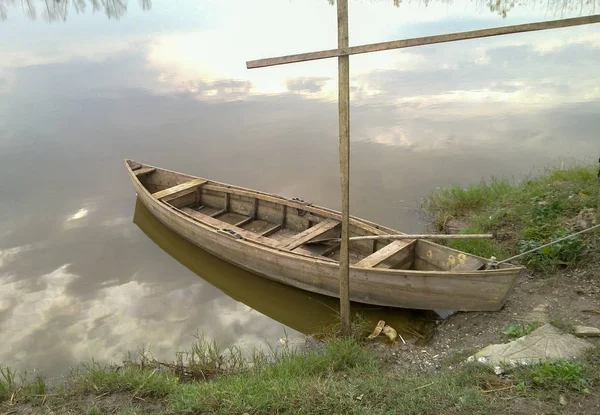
x=344, y=130
x=598, y=207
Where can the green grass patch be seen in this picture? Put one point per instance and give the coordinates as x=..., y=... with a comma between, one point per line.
x=339, y=376
x=514, y=331
x=140, y=381
x=21, y=388
x=525, y=215
x=342, y=377
x=557, y=376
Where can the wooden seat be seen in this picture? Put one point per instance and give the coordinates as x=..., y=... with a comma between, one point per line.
x=172, y=191
x=386, y=252
x=144, y=170
x=308, y=234
x=249, y=235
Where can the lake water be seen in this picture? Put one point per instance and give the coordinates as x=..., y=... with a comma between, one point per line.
x=165, y=83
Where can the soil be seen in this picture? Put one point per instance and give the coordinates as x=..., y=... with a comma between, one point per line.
x=565, y=298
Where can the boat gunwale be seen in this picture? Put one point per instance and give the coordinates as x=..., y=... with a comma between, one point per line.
x=510, y=269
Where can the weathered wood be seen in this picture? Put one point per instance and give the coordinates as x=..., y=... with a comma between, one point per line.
x=425, y=287
x=310, y=233
x=304, y=251
x=442, y=257
x=468, y=263
x=344, y=148
x=227, y=202
x=283, y=216
x=252, y=215
x=144, y=170
x=245, y=221
x=408, y=236
x=179, y=188
x=271, y=230
x=421, y=41
x=218, y=213
x=384, y=253
x=316, y=215
x=254, y=208
x=251, y=236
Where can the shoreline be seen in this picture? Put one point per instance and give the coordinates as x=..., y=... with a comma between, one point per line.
x=561, y=287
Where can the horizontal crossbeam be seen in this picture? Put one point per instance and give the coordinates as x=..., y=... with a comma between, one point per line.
x=421, y=41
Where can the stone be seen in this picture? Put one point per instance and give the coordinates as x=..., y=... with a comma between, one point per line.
x=544, y=343
x=583, y=331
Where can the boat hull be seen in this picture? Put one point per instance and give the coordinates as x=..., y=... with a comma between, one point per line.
x=429, y=290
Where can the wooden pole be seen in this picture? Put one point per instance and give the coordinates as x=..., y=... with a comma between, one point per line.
x=344, y=144
x=395, y=237
x=421, y=41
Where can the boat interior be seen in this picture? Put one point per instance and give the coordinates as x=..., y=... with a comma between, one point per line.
x=292, y=224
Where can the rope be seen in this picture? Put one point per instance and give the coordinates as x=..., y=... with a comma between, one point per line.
x=543, y=246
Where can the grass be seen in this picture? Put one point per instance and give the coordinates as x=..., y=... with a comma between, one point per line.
x=514, y=331
x=15, y=387
x=560, y=376
x=525, y=215
x=339, y=376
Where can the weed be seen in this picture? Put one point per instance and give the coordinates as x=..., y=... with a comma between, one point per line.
x=8, y=383
x=341, y=377
x=22, y=390
x=482, y=247
x=514, y=331
x=360, y=326
x=93, y=410
x=338, y=376
x=561, y=375
x=96, y=378
x=524, y=216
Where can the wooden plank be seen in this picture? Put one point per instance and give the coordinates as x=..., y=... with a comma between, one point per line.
x=218, y=213
x=227, y=201
x=179, y=188
x=411, y=236
x=344, y=149
x=249, y=235
x=308, y=234
x=144, y=170
x=326, y=213
x=317, y=250
x=443, y=257
x=470, y=264
x=304, y=251
x=421, y=41
x=244, y=221
x=283, y=216
x=252, y=215
x=271, y=230
x=254, y=209
x=384, y=253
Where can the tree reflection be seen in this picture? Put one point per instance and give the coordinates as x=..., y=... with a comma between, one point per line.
x=57, y=10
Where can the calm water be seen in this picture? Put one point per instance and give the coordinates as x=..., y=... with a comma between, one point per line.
x=165, y=83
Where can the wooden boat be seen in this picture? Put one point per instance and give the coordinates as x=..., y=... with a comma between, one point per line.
x=270, y=236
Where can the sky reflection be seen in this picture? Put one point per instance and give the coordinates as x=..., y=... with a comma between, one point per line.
x=169, y=87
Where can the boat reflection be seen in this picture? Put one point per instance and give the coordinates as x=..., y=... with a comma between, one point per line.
x=300, y=310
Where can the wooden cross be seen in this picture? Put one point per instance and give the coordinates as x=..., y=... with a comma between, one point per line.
x=343, y=53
